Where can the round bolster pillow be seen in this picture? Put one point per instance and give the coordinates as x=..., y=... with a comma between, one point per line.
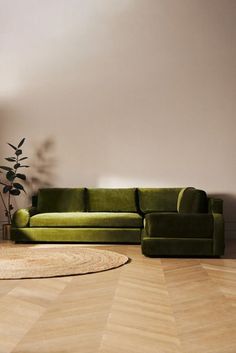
x=21, y=217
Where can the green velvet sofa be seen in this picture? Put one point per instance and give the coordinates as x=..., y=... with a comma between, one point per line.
x=166, y=221
x=187, y=222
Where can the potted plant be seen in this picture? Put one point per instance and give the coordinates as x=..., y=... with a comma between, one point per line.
x=11, y=186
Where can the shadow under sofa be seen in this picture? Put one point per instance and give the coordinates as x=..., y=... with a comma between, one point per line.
x=166, y=221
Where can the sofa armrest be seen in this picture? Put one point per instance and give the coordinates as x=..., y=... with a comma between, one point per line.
x=22, y=216
x=215, y=205
x=218, y=235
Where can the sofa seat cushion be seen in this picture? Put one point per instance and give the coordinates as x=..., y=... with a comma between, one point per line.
x=87, y=219
x=174, y=225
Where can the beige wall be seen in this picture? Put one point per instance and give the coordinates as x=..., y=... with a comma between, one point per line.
x=130, y=92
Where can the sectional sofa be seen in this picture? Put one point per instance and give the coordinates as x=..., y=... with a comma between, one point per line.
x=166, y=221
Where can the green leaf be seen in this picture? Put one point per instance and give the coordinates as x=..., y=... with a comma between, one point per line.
x=15, y=192
x=6, y=189
x=10, y=175
x=17, y=165
x=18, y=186
x=14, y=147
x=10, y=159
x=21, y=176
x=5, y=168
x=18, y=152
x=21, y=143
x=23, y=158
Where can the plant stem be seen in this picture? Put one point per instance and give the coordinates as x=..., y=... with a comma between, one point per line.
x=9, y=194
x=9, y=210
x=5, y=206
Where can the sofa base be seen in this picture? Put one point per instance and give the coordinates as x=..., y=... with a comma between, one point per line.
x=80, y=235
x=177, y=247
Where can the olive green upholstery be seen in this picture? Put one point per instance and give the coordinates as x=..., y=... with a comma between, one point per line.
x=215, y=205
x=81, y=215
x=87, y=219
x=111, y=200
x=166, y=221
x=197, y=232
x=177, y=247
x=218, y=234
x=158, y=199
x=191, y=200
x=21, y=217
x=61, y=200
x=181, y=225
x=81, y=235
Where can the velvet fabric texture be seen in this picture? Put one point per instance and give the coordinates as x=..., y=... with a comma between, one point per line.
x=218, y=235
x=158, y=199
x=154, y=247
x=87, y=219
x=178, y=221
x=111, y=200
x=61, y=200
x=81, y=235
x=176, y=225
x=191, y=200
x=22, y=216
x=215, y=205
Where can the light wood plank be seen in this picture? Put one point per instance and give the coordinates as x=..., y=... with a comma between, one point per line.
x=147, y=306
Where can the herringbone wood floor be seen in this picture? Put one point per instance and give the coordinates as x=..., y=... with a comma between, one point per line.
x=147, y=306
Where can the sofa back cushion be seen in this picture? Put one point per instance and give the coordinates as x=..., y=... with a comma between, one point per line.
x=61, y=200
x=111, y=200
x=158, y=199
x=191, y=200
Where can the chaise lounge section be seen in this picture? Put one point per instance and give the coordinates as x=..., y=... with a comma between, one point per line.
x=195, y=229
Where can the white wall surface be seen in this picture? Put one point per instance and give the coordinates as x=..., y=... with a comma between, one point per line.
x=129, y=92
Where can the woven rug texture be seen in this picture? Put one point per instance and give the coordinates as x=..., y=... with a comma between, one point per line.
x=40, y=262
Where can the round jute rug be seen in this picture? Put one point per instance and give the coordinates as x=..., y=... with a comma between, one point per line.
x=39, y=262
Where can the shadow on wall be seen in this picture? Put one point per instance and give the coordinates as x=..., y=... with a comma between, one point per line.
x=42, y=171
x=145, y=122
x=4, y=116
